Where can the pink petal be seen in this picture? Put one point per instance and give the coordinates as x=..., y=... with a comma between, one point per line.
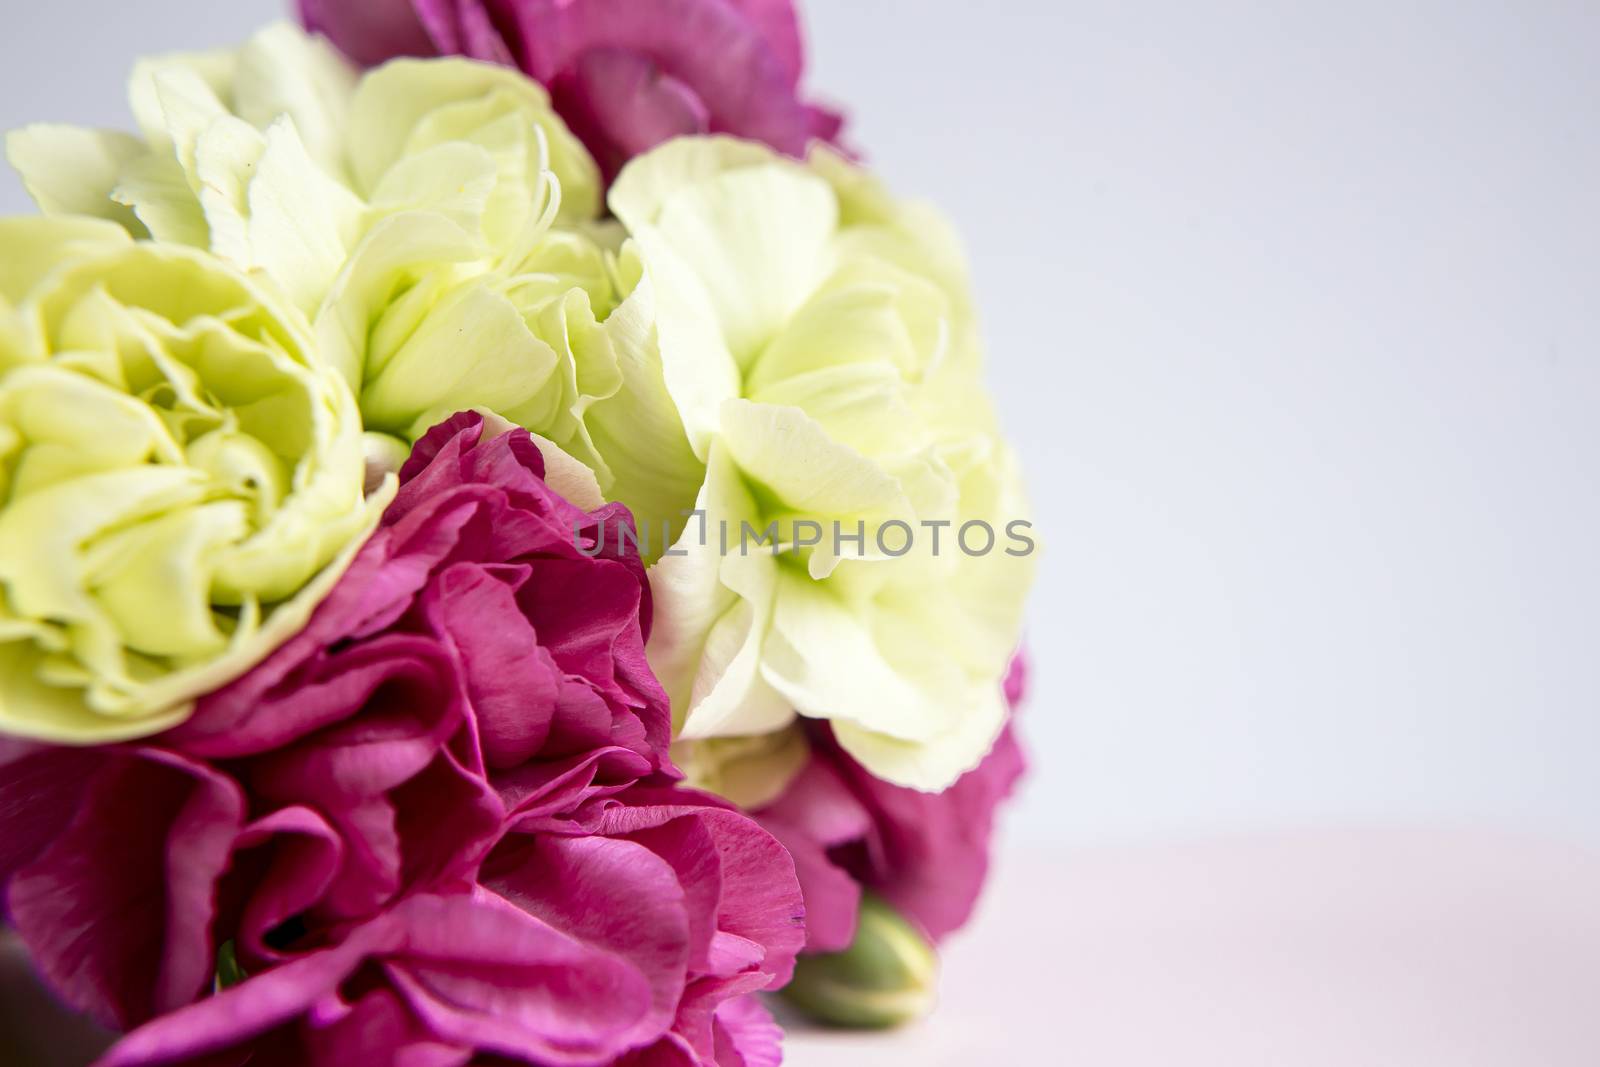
x=743, y=83
x=292, y=857
x=117, y=912
x=776, y=23
x=510, y=680
x=747, y=1035
x=481, y=972
x=761, y=899
x=40, y=791
x=832, y=896
x=371, y=31
x=614, y=895
x=463, y=27
x=818, y=813
x=622, y=104
x=235, y=1016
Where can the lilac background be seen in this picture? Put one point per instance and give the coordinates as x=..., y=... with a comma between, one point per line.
x=1321, y=949
x=1295, y=312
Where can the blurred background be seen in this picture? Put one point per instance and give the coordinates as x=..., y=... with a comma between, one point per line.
x=1294, y=312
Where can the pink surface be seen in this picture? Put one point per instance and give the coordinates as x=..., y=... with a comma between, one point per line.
x=1355, y=949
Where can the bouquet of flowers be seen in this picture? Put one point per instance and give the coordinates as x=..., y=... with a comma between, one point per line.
x=505, y=553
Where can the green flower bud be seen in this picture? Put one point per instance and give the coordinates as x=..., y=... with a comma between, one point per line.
x=887, y=977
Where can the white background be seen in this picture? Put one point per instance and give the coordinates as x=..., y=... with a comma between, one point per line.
x=1295, y=314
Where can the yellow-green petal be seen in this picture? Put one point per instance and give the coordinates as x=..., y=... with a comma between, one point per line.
x=181, y=479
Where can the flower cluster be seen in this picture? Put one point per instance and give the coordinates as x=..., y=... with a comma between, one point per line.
x=440, y=815
x=353, y=632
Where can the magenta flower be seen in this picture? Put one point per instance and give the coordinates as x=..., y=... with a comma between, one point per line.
x=636, y=932
x=624, y=74
x=927, y=854
x=442, y=810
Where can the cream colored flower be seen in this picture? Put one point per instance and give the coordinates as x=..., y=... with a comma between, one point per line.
x=180, y=479
x=819, y=342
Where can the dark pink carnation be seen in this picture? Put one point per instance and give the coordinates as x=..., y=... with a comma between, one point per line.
x=634, y=934
x=626, y=75
x=927, y=854
x=438, y=821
